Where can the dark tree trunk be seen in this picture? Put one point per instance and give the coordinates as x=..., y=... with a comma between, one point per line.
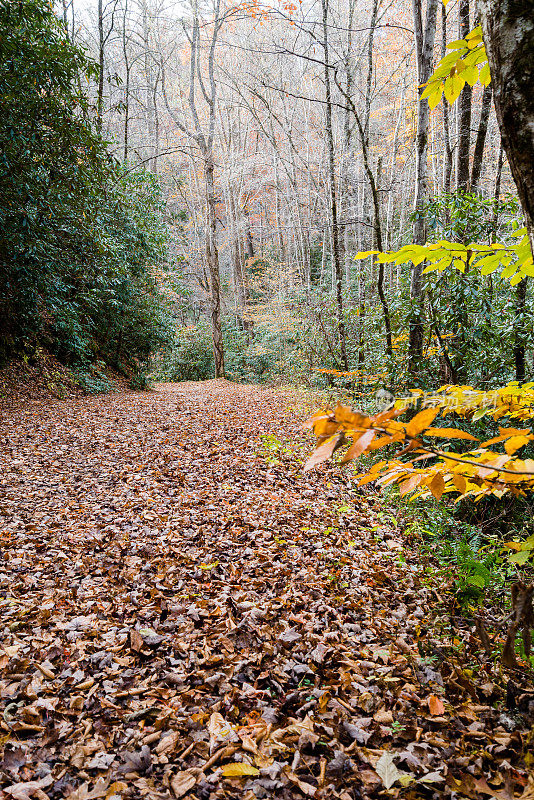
x=478, y=158
x=464, y=111
x=509, y=38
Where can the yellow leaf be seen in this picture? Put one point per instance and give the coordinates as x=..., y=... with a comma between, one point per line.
x=449, y=433
x=458, y=44
x=471, y=75
x=437, y=486
x=485, y=76
x=515, y=442
x=435, y=97
x=421, y=421
x=453, y=86
x=238, y=770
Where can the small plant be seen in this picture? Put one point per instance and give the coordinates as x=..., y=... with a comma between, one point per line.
x=397, y=727
x=274, y=448
x=140, y=380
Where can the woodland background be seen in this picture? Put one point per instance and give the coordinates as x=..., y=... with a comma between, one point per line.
x=231, y=161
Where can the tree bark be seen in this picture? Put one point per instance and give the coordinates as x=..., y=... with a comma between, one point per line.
x=509, y=39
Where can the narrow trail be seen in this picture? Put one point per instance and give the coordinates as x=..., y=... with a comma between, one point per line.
x=183, y=618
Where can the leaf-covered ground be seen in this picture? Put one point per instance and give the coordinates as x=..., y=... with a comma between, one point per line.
x=187, y=614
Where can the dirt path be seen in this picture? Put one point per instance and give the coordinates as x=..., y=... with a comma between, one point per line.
x=183, y=618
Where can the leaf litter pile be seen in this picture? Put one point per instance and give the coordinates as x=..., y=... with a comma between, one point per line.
x=184, y=616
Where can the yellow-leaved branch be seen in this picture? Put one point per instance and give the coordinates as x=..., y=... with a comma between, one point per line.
x=479, y=472
x=514, y=260
x=466, y=63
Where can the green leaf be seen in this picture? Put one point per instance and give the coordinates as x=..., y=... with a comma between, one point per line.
x=476, y=580
x=458, y=44
x=520, y=558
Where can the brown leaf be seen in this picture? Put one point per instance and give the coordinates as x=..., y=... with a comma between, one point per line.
x=323, y=452
x=435, y=705
x=358, y=446
x=136, y=641
x=437, y=486
x=182, y=783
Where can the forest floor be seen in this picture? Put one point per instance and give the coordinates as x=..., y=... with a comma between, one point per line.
x=185, y=613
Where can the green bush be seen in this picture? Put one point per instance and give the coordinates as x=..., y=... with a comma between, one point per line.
x=81, y=241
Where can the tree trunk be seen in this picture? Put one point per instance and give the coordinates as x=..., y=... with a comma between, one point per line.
x=424, y=44
x=100, y=87
x=447, y=160
x=464, y=111
x=127, y=68
x=336, y=255
x=509, y=38
x=212, y=258
x=478, y=158
x=519, y=329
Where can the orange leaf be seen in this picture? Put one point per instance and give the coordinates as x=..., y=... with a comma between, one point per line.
x=359, y=446
x=325, y=427
x=437, y=486
x=325, y=414
x=515, y=442
x=323, y=452
x=408, y=486
x=421, y=421
x=449, y=433
x=385, y=416
x=346, y=415
x=506, y=433
x=460, y=483
x=435, y=705
x=376, y=444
